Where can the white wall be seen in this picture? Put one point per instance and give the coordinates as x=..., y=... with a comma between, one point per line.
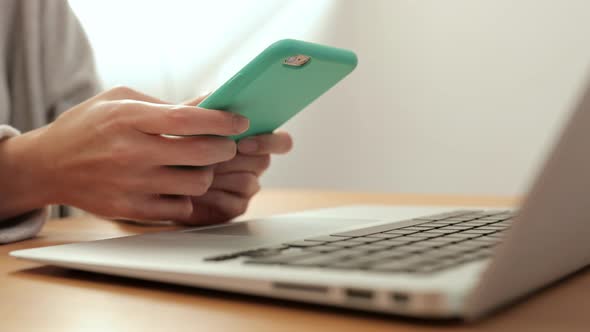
x=449, y=96
x=454, y=96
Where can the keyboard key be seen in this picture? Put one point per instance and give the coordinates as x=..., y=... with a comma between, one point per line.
x=388, y=254
x=417, y=228
x=432, y=234
x=476, y=222
x=457, y=227
x=458, y=219
x=440, y=224
x=383, y=244
x=416, y=237
x=322, y=260
x=424, y=244
x=486, y=239
x=325, y=239
x=369, y=247
x=365, y=239
x=440, y=242
x=377, y=229
x=395, y=242
x=343, y=244
x=302, y=244
x=439, y=254
x=322, y=248
x=491, y=228
x=408, y=249
x=283, y=258
x=401, y=231
x=426, y=235
x=385, y=235
x=461, y=247
x=496, y=218
x=264, y=252
x=442, y=231
x=462, y=235
x=494, y=227
x=473, y=223
x=478, y=231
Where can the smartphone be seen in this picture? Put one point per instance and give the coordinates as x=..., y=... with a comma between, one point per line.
x=280, y=82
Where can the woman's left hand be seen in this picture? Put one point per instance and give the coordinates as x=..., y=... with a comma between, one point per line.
x=237, y=180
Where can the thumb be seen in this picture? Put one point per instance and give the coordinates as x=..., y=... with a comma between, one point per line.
x=197, y=101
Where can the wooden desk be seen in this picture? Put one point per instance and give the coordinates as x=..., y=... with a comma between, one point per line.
x=39, y=298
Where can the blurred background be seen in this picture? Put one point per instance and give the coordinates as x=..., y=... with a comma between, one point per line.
x=454, y=96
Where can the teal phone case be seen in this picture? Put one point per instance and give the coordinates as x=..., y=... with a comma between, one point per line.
x=269, y=92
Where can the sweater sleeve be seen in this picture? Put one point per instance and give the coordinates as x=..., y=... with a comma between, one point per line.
x=69, y=70
x=24, y=226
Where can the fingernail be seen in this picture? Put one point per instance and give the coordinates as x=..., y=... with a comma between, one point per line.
x=240, y=124
x=248, y=146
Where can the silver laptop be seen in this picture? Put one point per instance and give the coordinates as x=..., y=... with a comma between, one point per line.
x=422, y=262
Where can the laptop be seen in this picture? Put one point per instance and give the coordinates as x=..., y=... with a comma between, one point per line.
x=424, y=262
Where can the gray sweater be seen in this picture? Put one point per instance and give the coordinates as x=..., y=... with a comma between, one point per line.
x=47, y=67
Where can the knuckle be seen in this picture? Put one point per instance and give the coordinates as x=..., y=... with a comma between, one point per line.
x=204, y=181
x=251, y=185
x=178, y=114
x=236, y=208
x=221, y=121
x=122, y=154
x=142, y=211
x=217, y=149
x=264, y=163
x=121, y=91
x=120, y=207
x=186, y=209
x=231, y=148
x=113, y=114
x=239, y=208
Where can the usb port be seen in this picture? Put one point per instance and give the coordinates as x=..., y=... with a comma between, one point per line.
x=400, y=298
x=359, y=294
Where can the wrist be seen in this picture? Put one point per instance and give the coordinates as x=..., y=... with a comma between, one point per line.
x=23, y=183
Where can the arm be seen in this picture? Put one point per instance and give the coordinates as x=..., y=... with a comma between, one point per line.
x=64, y=72
x=21, y=200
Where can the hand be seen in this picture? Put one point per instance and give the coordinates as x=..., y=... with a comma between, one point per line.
x=237, y=180
x=107, y=156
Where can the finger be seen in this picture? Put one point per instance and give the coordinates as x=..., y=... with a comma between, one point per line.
x=243, y=184
x=178, y=181
x=215, y=207
x=197, y=101
x=277, y=143
x=157, y=207
x=244, y=163
x=190, y=151
x=154, y=118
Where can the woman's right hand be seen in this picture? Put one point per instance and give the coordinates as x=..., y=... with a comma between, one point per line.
x=107, y=156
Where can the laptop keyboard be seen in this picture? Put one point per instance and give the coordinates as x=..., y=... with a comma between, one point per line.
x=422, y=245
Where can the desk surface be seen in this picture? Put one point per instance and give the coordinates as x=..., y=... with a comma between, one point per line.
x=39, y=298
